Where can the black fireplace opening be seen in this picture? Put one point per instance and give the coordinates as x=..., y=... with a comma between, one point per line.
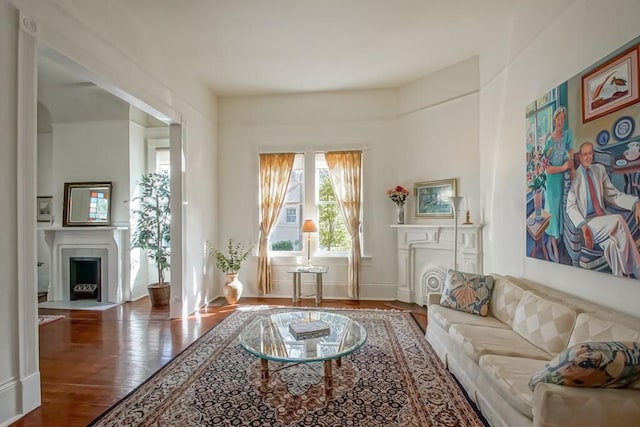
x=84, y=277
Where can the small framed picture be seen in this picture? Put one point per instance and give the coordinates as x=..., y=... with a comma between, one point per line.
x=432, y=198
x=611, y=86
x=44, y=208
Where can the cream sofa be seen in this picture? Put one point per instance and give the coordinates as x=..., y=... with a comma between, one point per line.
x=494, y=357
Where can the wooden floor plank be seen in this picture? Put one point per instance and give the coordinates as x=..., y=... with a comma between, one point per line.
x=91, y=359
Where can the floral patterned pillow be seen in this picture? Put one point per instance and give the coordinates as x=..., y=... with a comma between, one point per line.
x=612, y=364
x=467, y=292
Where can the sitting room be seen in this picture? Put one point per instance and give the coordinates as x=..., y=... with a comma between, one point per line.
x=381, y=213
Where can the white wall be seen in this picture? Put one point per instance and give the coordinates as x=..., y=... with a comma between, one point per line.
x=92, y=151
x=439, y=124
x=311, y=122
x=82, y=34
x=45, y=188
x=144, y=80
x=582, y=34
x=423, y=131
x=137, y=167
x=200, y=209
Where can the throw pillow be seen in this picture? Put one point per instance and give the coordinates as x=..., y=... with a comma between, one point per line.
x=612, y=364
x=467, y=292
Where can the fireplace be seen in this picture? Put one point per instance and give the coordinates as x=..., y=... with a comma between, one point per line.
x=425, y=253
x=109, y=246
x=85, y=278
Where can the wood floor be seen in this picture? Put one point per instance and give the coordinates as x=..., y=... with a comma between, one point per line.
x=91, y=359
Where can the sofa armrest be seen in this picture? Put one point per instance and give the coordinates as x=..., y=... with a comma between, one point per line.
x=433, y=299
x=558, y=406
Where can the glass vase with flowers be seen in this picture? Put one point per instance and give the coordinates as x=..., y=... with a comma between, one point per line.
x=398, y=195
x=537, y=163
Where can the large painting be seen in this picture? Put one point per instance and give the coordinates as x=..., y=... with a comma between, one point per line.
x=583, y=168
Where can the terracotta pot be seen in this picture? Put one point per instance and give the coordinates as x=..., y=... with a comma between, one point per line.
x=233, y=288
x=159, y=294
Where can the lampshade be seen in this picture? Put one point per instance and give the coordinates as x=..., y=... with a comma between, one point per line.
x=309, y=226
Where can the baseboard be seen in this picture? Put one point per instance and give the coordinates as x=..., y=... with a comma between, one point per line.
x=9, y=402
x=377, y=292
x=19, y=398
x=31, y=392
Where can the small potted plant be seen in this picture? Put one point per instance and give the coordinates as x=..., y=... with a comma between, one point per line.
x=152, y=230
x=230, y=264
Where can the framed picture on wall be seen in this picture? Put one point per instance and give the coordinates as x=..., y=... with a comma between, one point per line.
x=611, y=86
x=43, y=208
x=432, y=198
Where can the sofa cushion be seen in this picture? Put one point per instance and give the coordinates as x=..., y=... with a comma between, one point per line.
x=546, y=324
x=590, y=327
x=612, y=364
x=467, y=292
x=476, y=341
x=555, y=405
x=445, y=317
x=504, y=299
x=509, y=376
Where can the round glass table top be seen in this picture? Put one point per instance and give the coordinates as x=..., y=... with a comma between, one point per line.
x=270, y=338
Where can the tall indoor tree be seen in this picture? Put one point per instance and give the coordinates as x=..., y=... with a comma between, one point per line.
x=152, y=228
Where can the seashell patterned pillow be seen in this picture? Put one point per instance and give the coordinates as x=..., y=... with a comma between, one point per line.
x=612, y=364
x=467, y=292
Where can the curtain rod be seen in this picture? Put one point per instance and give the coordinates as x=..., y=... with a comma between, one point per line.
x=310, y=148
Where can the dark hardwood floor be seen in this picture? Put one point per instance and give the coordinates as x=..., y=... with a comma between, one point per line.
x=91, y=359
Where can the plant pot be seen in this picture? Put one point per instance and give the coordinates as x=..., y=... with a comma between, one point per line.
x=159, y=294
x=233, y=288
x=537, y=203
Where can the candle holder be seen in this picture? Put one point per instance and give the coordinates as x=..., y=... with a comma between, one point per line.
x=467, y=218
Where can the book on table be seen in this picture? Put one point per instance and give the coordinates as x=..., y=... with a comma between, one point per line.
x=311, y=329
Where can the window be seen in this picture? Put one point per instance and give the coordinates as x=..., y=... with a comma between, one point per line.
x=332, y=233
x=291, y=214
x=287, y=235
x=317, y=202
x=163, y=163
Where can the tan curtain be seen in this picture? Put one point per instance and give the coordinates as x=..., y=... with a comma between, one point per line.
x=275, y=171
x=345, y=171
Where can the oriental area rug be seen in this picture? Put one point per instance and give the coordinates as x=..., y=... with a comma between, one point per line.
x=43, y=319
x=395, y=379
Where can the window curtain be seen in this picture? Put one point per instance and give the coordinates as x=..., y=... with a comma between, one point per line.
x=345, y=172
x=275, y=171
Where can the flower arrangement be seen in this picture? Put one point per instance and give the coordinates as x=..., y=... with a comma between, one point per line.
x=537, y=169
x=231, y=263
x=398, y=195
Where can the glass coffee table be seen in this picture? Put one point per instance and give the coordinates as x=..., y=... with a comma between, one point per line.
x=269, y=339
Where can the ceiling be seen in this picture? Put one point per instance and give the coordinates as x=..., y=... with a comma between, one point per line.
x=246, y=47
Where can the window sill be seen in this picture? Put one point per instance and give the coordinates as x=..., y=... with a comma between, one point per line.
x=293, y=260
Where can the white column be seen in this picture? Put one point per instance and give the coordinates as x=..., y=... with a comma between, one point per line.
x=26, y=206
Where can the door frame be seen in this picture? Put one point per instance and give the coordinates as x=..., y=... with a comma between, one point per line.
x=33, y=34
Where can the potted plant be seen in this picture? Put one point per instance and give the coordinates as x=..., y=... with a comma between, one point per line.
x=230, y=264
x=152, y=230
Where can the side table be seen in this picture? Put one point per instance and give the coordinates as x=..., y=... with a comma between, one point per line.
x=536, y=229
x=297, y=282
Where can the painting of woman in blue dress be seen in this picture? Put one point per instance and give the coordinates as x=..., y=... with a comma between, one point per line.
x=559, y=150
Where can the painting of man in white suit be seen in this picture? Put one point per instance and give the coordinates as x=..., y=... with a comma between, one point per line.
x=586, y=207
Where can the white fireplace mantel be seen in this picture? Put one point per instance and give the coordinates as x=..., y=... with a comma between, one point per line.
x=425, y=253
x=111, y=244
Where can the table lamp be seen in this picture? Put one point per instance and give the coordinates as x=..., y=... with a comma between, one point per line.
x=309, y=227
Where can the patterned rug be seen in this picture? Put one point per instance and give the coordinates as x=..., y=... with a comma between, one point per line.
x=43, y=319
x=395, y=379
